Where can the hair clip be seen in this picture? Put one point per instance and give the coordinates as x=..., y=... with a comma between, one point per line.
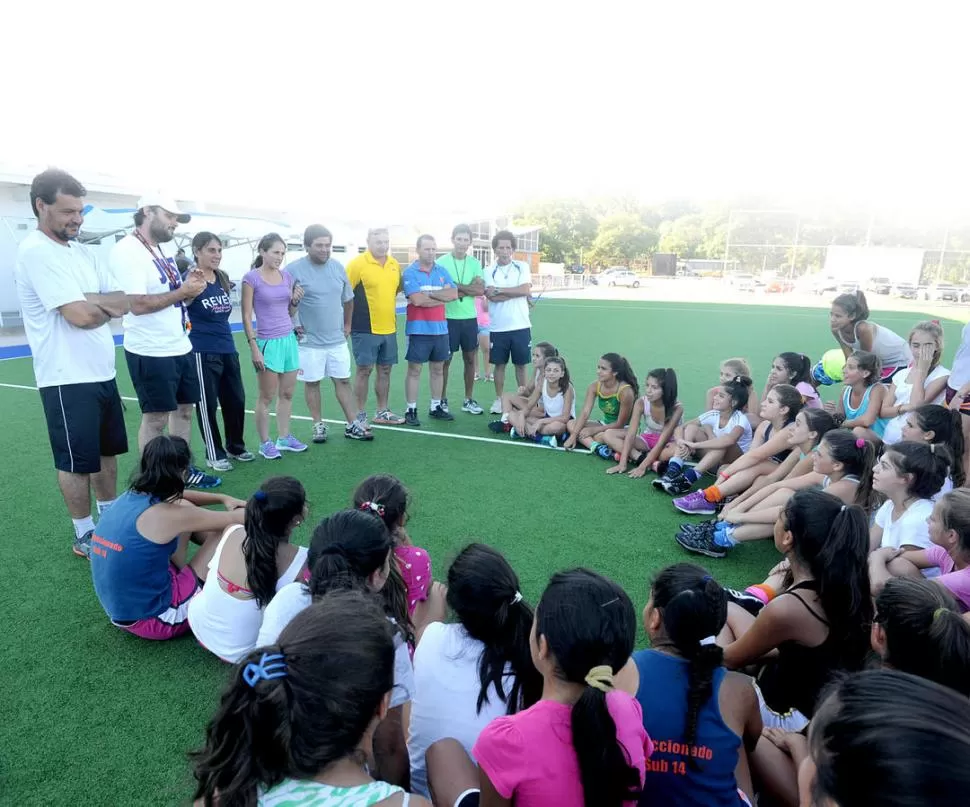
x=517, y=598
x=708, y=640
x=269, y=667
x=939, y=612
x=860, y=443
x=609, y=602
x=933, y=448
x=260, y=495
x=373, y=508
x=706, y=578
x=842, y=509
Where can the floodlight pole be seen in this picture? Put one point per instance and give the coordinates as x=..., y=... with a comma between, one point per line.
x=939, y=265
x=794, y=249
x=727, y=244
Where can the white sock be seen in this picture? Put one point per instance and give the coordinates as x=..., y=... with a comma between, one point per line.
x=435, y=403
x=82, y=526
x=102, y=506
x=505, y=417
x=413, y=405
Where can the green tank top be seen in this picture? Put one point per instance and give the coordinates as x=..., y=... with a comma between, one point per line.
x=610, y=404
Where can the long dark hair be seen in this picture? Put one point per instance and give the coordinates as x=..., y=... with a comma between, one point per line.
x=790, y=398
x=857, y=460
x=385, y=497
x=347, y=547
x=947, y=427
x=739, y=391
x=483, y=591
x=928, y=464
x=623, y=370
x=264, y=245
x=338, y=658
x=832, y=540
x=270, y=513
x=854, y=304
x=818, y=421
x=798, y=366
x=925, y=635
x=199, y=242
x=693, y=607
x=667, y=379
x=884, y=738
x=162, y=468
x=565, y=381
x=588, y=621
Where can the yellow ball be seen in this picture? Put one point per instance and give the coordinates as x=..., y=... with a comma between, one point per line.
x=832, y=362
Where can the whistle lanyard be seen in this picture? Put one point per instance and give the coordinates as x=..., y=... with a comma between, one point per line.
x=174, y=281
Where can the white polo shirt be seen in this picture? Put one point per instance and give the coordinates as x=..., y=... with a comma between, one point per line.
x=49, y=275
x=509, y=315
x=162, y=333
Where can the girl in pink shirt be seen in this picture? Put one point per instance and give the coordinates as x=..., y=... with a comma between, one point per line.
x=583, y=743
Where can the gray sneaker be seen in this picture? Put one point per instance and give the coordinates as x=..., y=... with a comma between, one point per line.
x=411, y=418
x=471, y=407
x=320, y=432
x=219, y=465
x=82, y=545
x=355, y=431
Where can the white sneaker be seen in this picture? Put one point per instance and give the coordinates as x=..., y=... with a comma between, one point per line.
x=496, y=407
x=219, y=465
x=319, y=432
x=471, y=407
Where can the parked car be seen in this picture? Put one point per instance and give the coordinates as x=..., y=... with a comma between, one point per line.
x=813, y=284
x=622, y=277
x=943, y=291
x=849, y=287
x=879, y=285
x=905, y=290
x=779, y=285
x=742, y=282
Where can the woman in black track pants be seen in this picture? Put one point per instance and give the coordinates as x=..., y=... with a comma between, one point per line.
x=217, y=359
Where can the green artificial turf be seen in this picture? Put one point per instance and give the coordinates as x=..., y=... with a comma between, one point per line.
x=95, y=716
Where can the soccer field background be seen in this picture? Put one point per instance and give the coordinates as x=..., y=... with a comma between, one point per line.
x=96, y=716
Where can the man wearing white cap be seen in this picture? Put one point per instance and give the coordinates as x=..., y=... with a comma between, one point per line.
x=157, y=346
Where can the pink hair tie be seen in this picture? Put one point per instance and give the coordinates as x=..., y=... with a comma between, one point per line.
x=860, y=443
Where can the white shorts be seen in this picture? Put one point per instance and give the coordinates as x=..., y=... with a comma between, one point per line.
x=324, y=362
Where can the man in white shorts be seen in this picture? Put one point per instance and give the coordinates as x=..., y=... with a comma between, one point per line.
x=67, y=298
x=322, y=321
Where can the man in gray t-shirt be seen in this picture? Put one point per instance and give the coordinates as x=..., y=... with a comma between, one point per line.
x=322, y=323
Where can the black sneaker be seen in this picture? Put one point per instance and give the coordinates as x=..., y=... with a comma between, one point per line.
x=440, y=413
x=703, y=528
x=356, y=431
x=700, y=544
x=500, y=426
x=444, y=404
x=680, y=486
x=669, y=475
x=411, y=418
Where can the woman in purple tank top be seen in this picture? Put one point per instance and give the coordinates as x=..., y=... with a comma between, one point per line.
x=271, y=294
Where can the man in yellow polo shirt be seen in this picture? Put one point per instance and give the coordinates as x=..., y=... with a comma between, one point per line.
x=375, y=278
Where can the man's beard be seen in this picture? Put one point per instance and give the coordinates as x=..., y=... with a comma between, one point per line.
x=160, y=234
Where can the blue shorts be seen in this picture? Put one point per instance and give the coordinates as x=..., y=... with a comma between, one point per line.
x=516, y=345
x=424, y=348
x=374, y=348
x=463, y=335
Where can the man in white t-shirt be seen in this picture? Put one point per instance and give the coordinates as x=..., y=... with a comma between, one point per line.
x=507, y=286
x=157, y=347
x=67, y=297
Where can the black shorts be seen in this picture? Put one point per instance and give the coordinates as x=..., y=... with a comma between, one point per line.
x=164, y=382
x=516, y=345
x=85, y=422
x=470, y=798
x=463, y=334
x=424, y=348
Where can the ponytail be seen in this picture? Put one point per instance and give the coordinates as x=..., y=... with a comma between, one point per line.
x=270, y=515
x=854, y=305
x=297, y=707
x=623, y=371
x=739, y=390
x=694, y=609
x=947, y=427
x=346, y=549
x=857, y=457
x=799, y=367
x=483, y=591
x=589, y=626
x=265, y=244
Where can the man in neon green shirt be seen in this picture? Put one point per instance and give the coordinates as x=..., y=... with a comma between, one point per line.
x=466, y=272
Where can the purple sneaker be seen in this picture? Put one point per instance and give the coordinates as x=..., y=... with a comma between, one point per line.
x=290, y=443
x=695, y=504
x=269, y=451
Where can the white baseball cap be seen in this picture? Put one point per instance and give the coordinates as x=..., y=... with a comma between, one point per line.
x=166, y=203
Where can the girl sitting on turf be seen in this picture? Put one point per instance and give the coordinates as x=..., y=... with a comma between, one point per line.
x=386, y=497
x=469, y=672
x=841, y=465
x=298, y=721
x=614, y=391
x=352, y=550
x=908, y=475
x=729, y=370
x=139, y=562
x=948, y=555
x=819, y=624
x=923, y=382
x=937, y=424
x=794, y=369
x=721, y=435
x=550, y=407
x=704, y=720
x=862, y=399
x=849, y=322
x=512, y=401
x=661, y=412
x=583, y=742
x=251, y=563
x=770, y=447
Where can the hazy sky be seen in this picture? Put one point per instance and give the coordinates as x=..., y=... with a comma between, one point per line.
x=396, y=110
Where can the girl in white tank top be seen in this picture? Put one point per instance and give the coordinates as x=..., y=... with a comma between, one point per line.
x=849, y=321
x=549, y=408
